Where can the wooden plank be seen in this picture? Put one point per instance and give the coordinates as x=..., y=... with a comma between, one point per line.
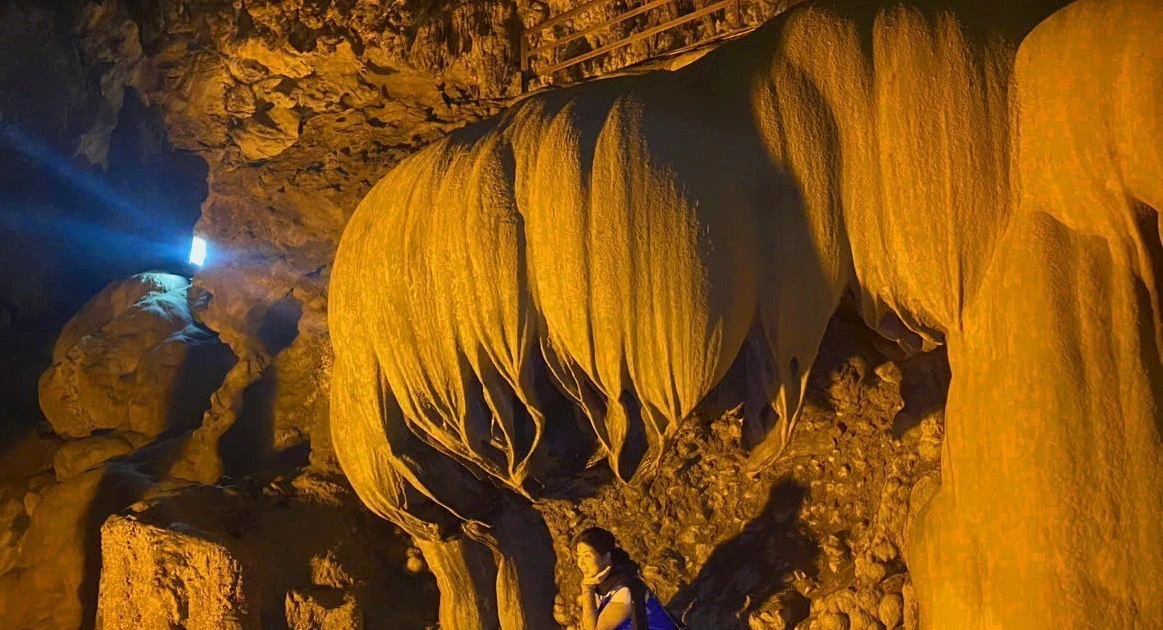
x=558, y=19
x=694, y=15
x=597, y=27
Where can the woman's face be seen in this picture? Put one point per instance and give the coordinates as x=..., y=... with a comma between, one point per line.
x=591, y=562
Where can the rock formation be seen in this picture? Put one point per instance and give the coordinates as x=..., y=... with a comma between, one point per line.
x=208, y=557
x=133, y=360
x=629, y=239
x=95, y=529
x=69, y=227
x=942, y=185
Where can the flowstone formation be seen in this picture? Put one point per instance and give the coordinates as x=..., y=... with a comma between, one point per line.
x=119, y=119
x=571, y=279
x=818, y=538
x=641, y=267
x=298, y=109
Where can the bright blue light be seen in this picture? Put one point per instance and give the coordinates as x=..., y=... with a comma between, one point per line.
x=198, y=252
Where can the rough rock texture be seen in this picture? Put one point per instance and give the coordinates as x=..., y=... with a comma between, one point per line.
x=324, y=609
x=77, y=456
x=52, y=580
x=925, y=163
x=134, y=360
x=69, y=227
x=25, y=469
x=298, y=108
x=729, y=549
x=172, y=578
x=743, y=14
x=287, y=552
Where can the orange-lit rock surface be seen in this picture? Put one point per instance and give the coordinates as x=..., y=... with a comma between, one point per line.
x=636, y=278
x=325, y=609
x=297, y=552
x=135, y=360
x=153, y=577
x=1053, y=444
x=628, y=239
x=819, y=533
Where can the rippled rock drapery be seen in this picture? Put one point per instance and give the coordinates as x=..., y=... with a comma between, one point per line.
x=884, y=167
x=298, y=109
x=275, y=96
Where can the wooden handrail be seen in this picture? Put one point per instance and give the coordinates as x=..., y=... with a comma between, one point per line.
x=591, y=30
x=654, y=4
x=694, y=15
x=558, y=19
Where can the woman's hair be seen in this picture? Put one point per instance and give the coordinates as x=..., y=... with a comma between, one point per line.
x=602, y=541
x=623, y=572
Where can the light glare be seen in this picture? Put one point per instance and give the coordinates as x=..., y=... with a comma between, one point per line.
x=198, y=251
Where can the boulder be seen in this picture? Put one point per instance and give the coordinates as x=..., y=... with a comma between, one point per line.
x=133, y=359
x=51, y=582
x=205, y=556
x=324, y=609
x=157, y=577
x=77, y=456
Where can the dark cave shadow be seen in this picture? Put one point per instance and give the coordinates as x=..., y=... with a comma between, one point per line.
x=567, y=445
x=127, y=479
x=124, y=481
x=248, y=445
x=1149, y=227
x=846, y=337
x=745, y=571
x=924, y=388
x=202, y=373
x=925, y=376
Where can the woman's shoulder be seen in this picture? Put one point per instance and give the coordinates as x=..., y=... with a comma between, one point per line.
x=620, y=595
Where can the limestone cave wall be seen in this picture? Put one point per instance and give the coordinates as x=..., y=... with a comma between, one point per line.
x=127, y=128
x=167, y=457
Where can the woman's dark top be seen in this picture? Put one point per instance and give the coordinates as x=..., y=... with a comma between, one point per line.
x=646, y=612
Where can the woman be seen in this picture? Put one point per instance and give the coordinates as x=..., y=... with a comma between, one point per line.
x=613, y=597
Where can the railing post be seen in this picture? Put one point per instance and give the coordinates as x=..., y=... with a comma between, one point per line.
x=524, y=52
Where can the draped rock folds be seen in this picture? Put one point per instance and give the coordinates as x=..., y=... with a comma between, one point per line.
x=635, y=237
x=571, y=236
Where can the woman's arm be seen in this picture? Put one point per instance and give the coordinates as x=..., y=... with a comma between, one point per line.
x=589, y=606
x=613, y=615
x=616, y=612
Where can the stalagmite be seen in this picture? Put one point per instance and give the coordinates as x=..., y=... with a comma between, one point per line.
x=630, y=238
x=1053, y=486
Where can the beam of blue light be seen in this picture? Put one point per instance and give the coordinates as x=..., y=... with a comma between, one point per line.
x=95, y=240
x=86, y=239
x=16, y=139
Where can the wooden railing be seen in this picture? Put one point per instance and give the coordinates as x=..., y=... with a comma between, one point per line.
x=531, y=35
